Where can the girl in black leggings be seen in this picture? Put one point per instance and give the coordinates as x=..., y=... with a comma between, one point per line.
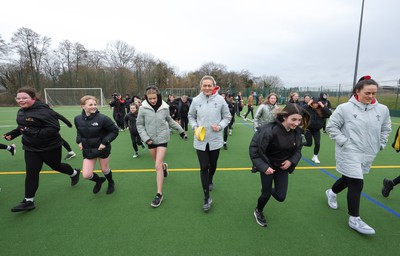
x=275, y=152
x=318, y=113
x=39, y=127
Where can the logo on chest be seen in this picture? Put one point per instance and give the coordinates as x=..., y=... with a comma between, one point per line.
x=95, y=124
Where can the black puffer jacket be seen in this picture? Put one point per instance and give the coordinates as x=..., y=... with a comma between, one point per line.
x=94, y=130
x=39, y=127
x=271, y=145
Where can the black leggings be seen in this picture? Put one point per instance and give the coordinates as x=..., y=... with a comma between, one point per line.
x=281, y=181
x=136, y=140
x=226, y=133
x=355, y=187
x=309, y=135
x=208, y=165
x=66, y=145
x=184, y=123
x=34, y=162
x=249, y=110
x=3, y=146
x=396, y=180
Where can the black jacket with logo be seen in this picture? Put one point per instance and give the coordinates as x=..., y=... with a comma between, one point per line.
x=271, y=145
x=39, y=127
x=94, y=130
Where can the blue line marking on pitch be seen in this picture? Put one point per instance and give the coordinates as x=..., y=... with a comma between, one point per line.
x=386, y=208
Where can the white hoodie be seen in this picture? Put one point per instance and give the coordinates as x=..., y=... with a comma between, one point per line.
x=360, y=132
x=206, y=111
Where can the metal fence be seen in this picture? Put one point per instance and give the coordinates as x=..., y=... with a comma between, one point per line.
x=388, y=93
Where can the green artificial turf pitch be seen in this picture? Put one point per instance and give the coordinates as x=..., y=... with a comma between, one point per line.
x=74, y=221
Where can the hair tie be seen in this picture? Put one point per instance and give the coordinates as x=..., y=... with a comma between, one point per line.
x=364, y=78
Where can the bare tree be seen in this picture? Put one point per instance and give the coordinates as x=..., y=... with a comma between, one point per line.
x=268, y=82
x=95, y=59
x=3, y=48
x=52, y=67
x=79, y=54
x=120, y=55
x=31, y=48
x=65, y=54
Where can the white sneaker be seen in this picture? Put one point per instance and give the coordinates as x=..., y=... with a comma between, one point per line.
x=230, y=132
x=360, y=226
x=315, y=159
x=135, y=155
x=70, y=155
x=332, y=201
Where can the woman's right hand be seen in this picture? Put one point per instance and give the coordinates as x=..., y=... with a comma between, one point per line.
x=80, y=146
x=269, y=171
x=7, y=137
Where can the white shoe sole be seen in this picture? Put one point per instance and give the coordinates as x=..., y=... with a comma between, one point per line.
x=363, y=231
x=259, y=223
x=157, y=205
x=207, y=209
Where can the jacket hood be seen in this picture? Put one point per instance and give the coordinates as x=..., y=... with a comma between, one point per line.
x=146, y=104
x=363, y=106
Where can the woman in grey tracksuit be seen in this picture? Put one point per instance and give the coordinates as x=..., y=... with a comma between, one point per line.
x=267, y=111
x=153, y=123
x=360, y=129
x=208, y=109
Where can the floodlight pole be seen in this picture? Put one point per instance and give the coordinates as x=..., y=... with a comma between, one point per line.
x=358, y=44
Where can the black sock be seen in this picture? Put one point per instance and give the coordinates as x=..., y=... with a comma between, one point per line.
x=109, y=176
x=95, y=177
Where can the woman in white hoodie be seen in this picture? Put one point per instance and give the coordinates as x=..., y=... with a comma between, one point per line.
x=153, y=123
x=208, y=110
x=360, y=129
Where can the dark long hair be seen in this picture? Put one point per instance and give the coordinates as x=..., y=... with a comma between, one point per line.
x=30, y=91
x=365, y=80
x=293, y=108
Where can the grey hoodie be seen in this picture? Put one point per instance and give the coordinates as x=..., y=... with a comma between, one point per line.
x=360, y=132
x=206, y=111
x=153, y=125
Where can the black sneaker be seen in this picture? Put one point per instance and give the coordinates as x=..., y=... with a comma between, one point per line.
x=207, y=204
x=24, y=206
x=225, y=146
x=157, y=200
x=111, y=188
x=13, y=149
x=75, y=178
x=387, y=187
x=165, y=170
x=70, y=155
x=260, y=219
x=97, y=187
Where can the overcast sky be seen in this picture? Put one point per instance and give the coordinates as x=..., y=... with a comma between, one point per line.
x=304, y=42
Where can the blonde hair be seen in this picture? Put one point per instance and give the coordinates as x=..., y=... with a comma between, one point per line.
x=208, y=78
x=86, y=98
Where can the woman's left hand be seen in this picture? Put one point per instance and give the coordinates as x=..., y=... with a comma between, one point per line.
x=215, y=127
x=285, y=165
x=101, y=147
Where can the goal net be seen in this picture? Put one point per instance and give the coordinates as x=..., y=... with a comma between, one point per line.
x=71, y=96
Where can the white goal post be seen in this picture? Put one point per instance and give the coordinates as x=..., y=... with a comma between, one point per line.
x=71, y=96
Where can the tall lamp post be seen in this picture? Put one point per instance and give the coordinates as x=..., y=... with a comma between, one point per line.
x=358, y=44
